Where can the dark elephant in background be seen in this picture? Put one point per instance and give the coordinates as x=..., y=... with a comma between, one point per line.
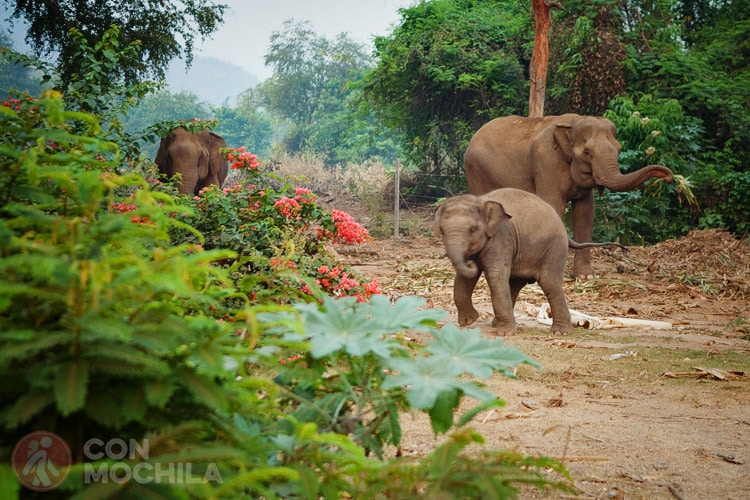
x=195, y=156
x=559, y=158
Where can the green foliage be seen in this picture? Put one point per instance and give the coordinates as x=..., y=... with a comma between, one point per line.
x=166, y=30
x=253, y=129
x=723, y=193
x=446, y=69
x=106, y=326
x=487, y=474
x=14, y=76
x=154, y=108
x=652, y=131
x=279, y=233
x=313, y=93
x=366, y=375
x=586, y=58
x=100, y=85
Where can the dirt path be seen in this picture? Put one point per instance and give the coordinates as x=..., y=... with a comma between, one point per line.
x=624, y=408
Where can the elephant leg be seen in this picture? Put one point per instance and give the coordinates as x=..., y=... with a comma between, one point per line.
x=503, y=299
x=583, y=227
x=553, y=290
x=463, y=288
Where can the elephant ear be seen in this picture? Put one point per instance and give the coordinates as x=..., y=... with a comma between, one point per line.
x=494, y=217
x=203, y=163
x=217, y=163
x=562, y=142
x=162, y=157
x=436, y=225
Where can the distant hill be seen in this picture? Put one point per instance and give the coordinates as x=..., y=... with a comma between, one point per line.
x=213, y=80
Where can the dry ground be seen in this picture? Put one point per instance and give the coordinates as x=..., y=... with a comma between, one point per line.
x=626, y=409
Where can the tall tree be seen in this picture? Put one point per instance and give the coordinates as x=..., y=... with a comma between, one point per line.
x=15, y=76
x=540, y=56
x=165, y=29
x=306, y=67
x=314, y=92
x=587, y=57
x=446, y=69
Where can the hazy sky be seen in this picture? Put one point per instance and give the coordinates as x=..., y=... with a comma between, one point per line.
x=243, y=38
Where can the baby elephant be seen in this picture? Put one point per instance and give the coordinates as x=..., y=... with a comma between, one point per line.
x=515, y=238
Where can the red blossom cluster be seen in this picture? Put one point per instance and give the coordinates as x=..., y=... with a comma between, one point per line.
x=242, y=160
x=12, y=104
x=279, y=263
x=337, y=282
x=289, y=207
x=290, y=359
x=348, y=230
x=236, y=188
x=123, y=207
x=304, y=195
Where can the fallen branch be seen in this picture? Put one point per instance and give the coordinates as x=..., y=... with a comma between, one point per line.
x=701, y=372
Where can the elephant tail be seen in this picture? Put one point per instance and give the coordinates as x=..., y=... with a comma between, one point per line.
x=580, y=246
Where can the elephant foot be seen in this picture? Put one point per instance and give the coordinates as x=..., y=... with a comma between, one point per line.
x=503, y=328
x=566, y=329
x=583, y=272
x=467, y=318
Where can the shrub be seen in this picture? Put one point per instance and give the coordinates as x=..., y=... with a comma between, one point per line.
x=650, y=131
x=279, y=232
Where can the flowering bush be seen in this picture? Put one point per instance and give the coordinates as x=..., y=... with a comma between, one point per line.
x=279, y=232
x=240, y=159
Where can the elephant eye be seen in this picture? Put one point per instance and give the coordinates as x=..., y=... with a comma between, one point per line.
x=587, y=153
x=473, y=229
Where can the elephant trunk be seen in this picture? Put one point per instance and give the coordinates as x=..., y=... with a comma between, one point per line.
x=464, y=267
x=189, y=182
x=614, y=180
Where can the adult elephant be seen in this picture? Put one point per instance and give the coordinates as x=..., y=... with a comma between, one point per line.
x=195, y=156
x=561, y=159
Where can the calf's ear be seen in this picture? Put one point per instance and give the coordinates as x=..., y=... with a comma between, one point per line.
x=436, y=225
x=494, y=216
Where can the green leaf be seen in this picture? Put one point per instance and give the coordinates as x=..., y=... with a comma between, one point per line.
x=337, y=326
x=124, y=354
x=468, y=351
x=441, y=414
x=203, y=389
x=425, y=379
x=403, y=315
x=41, y=341
x=26, y=407
x=9, y=486
x=158, y=392
x=71, y=385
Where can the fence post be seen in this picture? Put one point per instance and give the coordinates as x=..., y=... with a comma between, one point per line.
x=396, y=183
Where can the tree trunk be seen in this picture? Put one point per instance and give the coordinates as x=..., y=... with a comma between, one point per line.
x=540, y=57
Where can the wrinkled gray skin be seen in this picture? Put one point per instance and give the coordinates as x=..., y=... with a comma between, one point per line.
x=515, y=238
x=195, y=156
x=561, y=159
